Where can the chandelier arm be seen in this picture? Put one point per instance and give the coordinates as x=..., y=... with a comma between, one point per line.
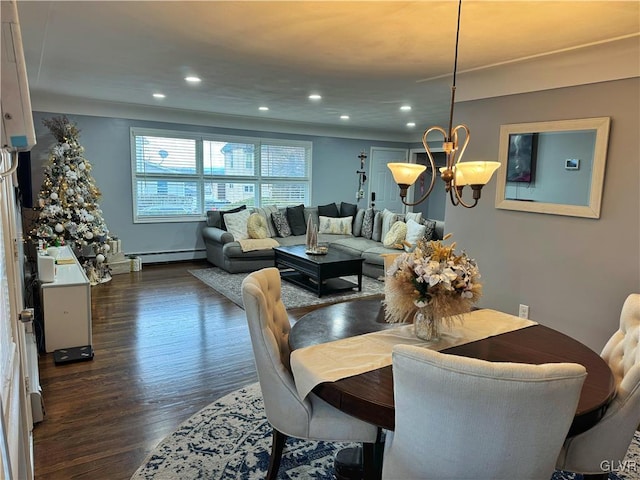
x=460, y=201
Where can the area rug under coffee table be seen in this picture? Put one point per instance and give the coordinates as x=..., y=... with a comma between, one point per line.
x=229, y=285
x=231, y=439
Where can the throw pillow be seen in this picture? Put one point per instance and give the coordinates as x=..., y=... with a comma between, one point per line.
x=214, y=218
x=335, y=226
x=388, y=219
x=329, y=210
x=266, y=212
x=295, y=217
x=223, y=225
x=357, y=222
x=348, y=209
x=367, y=223
x=395, y=236
x=430, y=231
x=415, y=232
x=376, y=236
x=257, y=226
x=236, y=224
x=415, y=216
x=281, y=224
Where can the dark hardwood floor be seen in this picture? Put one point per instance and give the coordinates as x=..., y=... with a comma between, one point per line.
x=166, y=345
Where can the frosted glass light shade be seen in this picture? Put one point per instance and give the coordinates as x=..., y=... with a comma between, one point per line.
x=476, y=173
x=460, y=180
x=406, y=173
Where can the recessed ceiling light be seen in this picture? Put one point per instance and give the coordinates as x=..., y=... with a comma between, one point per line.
x=315, y=96
x=264, y=109
x=411, y=124
x=405, y=108
x=193, y=79
x=344, y=117
x=159, y=95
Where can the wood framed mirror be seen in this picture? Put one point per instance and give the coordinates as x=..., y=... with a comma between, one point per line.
x=553, y=167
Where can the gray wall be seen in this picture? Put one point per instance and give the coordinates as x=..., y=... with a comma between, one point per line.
x=107, y=148
x=574, y=273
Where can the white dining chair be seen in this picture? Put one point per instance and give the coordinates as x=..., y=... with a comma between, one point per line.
x=604, y=446
x=288, y=414
x=464, y=418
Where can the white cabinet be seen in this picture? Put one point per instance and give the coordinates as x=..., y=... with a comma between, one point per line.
x=66, y=304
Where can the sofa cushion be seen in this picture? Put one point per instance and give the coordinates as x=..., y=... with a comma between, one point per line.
x=415, y=216
x=236, y=224
x=367, y=223
x=223, y=225
x=295, y=217
x=357, y=223
x=336, y=226
x=353, y=245
x=257, y=226
x=281, y=224
x=374, y=256
x=328, y=210
x=388, y=219
x=214, y=219
x=415, y=232
x=377, y=227
x=313, y=213
x=395, y=236
x=266, y=212
x=348, y=210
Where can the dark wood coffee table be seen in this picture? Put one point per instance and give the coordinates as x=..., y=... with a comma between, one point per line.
x=318, y=273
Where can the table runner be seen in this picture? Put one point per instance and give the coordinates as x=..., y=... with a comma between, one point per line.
x=328, y=362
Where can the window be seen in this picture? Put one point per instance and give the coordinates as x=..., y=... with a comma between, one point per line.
x=178, y=176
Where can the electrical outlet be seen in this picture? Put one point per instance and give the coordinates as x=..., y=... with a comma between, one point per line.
x=523, y=312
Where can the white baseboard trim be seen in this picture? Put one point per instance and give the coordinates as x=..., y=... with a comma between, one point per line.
x=170, y=256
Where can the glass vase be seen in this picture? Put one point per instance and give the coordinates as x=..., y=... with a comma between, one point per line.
x=426, y=326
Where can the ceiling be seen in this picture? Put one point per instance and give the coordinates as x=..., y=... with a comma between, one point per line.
x=366, y=59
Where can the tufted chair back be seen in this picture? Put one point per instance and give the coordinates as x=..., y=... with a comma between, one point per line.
x=287, y=413
x=610, y=438
x=464, y=418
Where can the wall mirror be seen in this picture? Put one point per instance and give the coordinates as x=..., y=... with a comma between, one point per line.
x=553, y=167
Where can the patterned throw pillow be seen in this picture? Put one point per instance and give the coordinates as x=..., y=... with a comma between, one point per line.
x=367, y=223
x=430, y=231
x=257, y=226
x=281, y=224
x=335, y=226
x=395, y=236
x=237, y=224
x=223, y=225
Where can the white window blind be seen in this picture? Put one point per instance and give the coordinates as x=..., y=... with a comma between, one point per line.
x=179, y=176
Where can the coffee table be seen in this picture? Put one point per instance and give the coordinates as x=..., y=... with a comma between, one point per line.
x=318, y=273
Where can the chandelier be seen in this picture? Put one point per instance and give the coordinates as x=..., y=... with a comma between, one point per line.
x=455, y=174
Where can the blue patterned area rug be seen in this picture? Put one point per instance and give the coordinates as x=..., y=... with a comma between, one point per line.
x=231, y=439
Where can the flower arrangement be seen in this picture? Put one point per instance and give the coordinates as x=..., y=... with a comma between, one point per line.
x=431, y=277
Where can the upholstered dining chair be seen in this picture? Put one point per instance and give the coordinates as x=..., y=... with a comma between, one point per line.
x=464, y=418
x=605, y=444
x=288, y=414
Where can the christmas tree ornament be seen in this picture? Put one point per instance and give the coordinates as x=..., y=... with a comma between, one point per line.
x=54, y=196
x=99, y=258
x=59, y=228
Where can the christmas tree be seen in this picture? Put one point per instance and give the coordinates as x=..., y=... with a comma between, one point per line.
x=68, y=202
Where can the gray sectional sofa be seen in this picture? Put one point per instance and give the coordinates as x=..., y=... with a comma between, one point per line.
x=226, y=253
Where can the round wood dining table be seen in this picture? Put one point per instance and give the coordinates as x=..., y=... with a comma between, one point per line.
x=369, y=395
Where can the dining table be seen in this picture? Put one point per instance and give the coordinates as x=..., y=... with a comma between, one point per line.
x=369, y=395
